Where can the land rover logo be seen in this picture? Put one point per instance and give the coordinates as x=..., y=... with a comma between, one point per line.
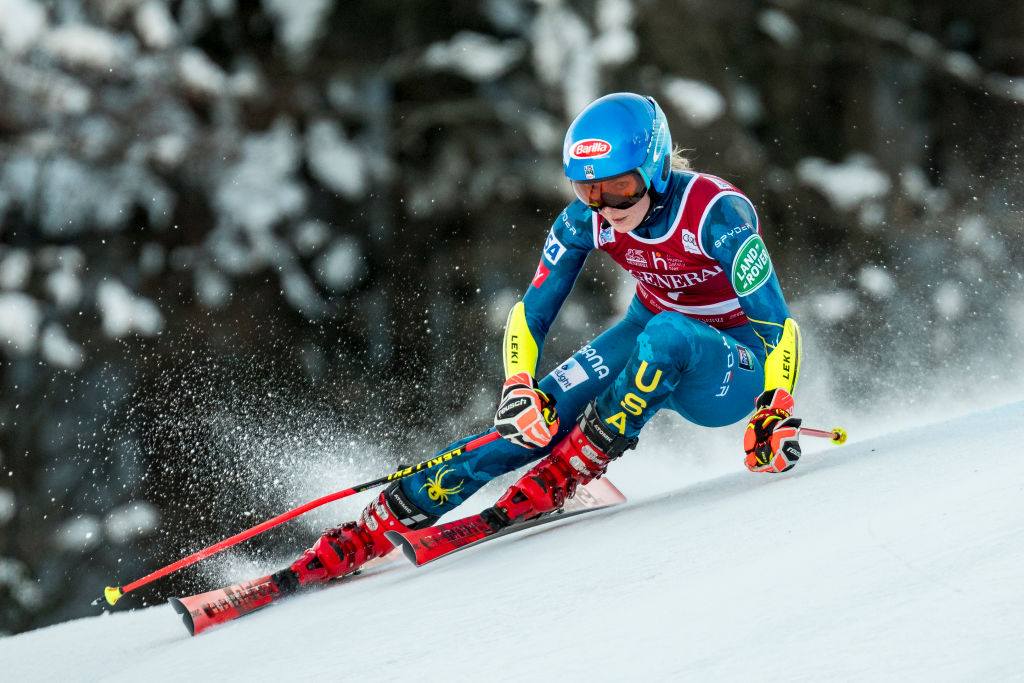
x=752, y=266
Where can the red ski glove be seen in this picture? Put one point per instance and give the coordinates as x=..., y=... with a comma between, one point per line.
x=526, y=415
x=771, y=440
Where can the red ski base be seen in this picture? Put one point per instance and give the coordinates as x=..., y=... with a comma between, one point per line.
x=200, y=612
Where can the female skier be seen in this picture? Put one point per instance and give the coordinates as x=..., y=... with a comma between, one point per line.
x=707, y=334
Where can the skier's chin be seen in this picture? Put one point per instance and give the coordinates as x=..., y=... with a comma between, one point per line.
x=624, y=220
x=623, y=223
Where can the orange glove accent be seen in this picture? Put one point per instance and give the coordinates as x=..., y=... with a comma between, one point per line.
x=525, y=415
x=771, y=441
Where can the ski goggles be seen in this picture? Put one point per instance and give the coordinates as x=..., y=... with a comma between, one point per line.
x=617, y=192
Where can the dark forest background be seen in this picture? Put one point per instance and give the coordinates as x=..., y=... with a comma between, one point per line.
x=254, y=252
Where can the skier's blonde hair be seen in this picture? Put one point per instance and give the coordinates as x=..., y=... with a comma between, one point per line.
x=679, y=160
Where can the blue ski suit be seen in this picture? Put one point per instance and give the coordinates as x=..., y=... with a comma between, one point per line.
x=707, y=313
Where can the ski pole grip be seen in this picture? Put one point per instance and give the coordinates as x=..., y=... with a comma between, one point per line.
x=112, y=594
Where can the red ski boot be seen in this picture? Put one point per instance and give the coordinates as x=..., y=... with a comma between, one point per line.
x=344, y=549
x=578, y=459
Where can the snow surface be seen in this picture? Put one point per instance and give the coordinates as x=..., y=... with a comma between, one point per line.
x=893, y=558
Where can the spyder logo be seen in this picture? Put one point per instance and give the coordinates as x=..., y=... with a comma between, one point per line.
x=436, y=489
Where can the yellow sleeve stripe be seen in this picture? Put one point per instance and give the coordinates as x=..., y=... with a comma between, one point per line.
x=767, y=347
x=782, y=367
x=519, y=349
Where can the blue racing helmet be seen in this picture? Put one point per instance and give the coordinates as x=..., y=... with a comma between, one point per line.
x=617, y=134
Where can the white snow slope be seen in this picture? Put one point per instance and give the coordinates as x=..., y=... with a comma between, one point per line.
x=896, y=558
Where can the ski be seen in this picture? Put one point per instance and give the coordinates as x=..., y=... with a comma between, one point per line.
x=200, y=612
x=433, y=543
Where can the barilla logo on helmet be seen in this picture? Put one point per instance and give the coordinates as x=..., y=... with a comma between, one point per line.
x=588, y=149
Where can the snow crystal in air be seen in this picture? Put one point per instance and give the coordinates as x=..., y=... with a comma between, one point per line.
x=876, y=281
x=22, y=22
x=123, y=312
x=848, y=184
x=79, y=534
x=58, y=350
x=19, y=322
x=131, y=521
x=698, y=102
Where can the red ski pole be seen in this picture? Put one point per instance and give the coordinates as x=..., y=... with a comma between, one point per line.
x=114, y=593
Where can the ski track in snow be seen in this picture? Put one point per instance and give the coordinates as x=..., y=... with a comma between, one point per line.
x=894, y=558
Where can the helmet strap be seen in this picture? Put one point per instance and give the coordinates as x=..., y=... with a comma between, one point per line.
x=653, y=206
